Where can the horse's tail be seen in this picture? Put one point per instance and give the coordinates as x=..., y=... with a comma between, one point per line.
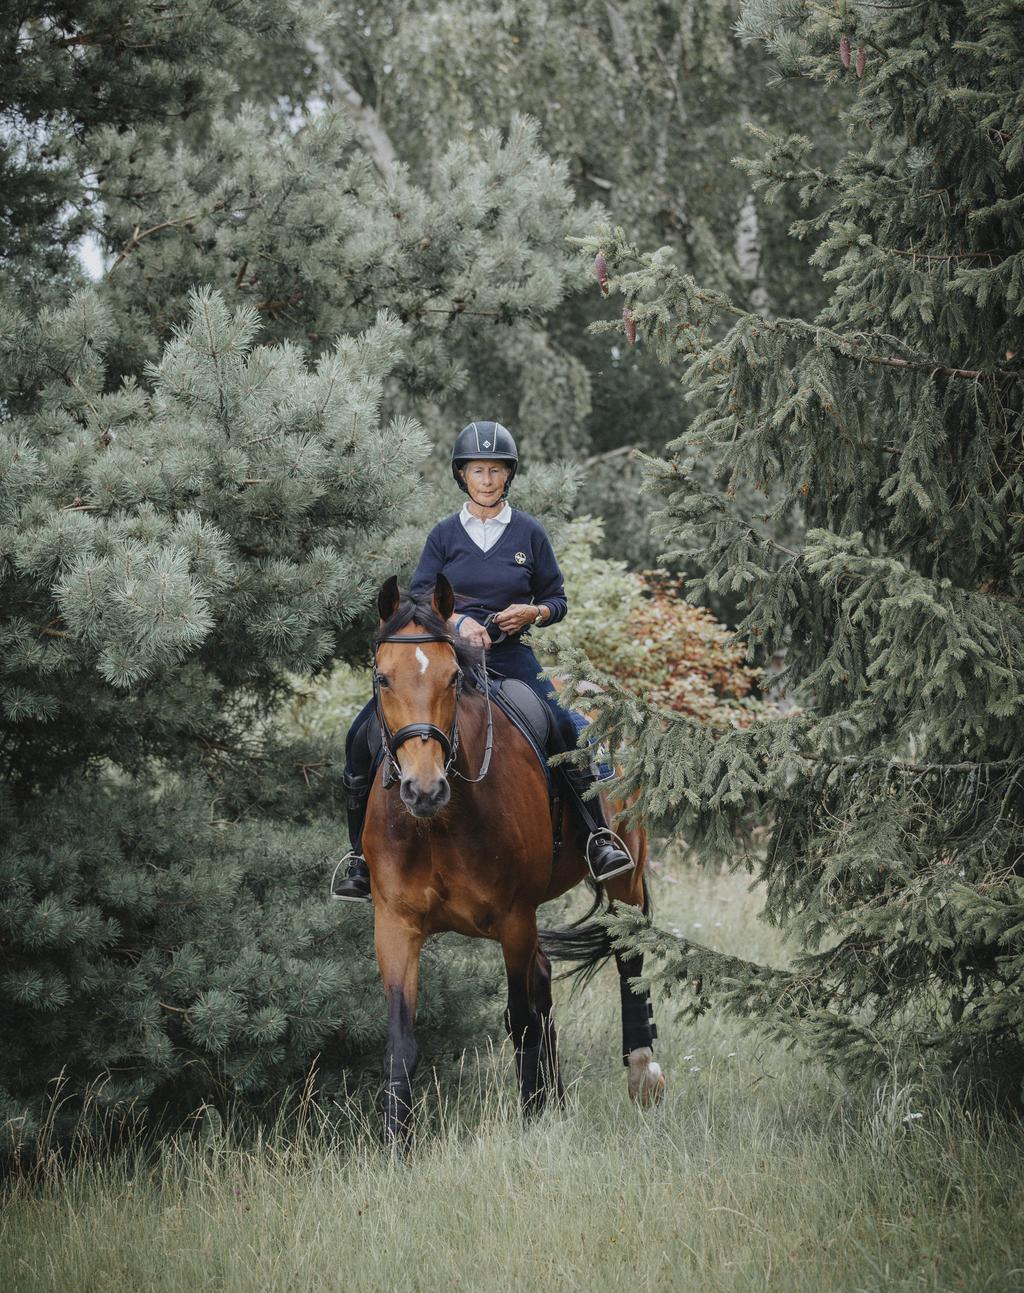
x=588, y=945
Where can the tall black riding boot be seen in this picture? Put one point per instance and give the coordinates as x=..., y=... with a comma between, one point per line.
x=354, y=886
x=601, y=848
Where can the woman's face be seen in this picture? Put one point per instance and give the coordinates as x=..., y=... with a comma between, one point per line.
x=486, y=480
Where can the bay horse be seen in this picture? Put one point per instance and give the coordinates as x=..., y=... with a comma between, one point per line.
x=459, y=835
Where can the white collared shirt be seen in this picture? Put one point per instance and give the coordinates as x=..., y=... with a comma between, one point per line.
x=485, y=534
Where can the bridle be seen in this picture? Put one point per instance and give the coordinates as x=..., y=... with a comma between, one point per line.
x=448, y=741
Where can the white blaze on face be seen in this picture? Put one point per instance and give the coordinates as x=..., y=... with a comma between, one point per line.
x=421, y=656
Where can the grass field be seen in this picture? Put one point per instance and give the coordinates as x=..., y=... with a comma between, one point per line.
x=758, y=1172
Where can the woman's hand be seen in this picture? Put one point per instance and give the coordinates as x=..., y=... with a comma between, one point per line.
x=516, y=617
x=475, y=633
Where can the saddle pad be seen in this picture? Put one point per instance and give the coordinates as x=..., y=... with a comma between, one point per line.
x=375, y=745
x=373, y=740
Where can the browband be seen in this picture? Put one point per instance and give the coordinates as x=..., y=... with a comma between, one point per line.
x=414, y=637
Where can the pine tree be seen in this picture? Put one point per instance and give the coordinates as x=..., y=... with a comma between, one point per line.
x=890, y=424
x=207, y=466
x=171, y=551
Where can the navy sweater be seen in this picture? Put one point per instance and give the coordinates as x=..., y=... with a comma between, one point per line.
x=520, y=567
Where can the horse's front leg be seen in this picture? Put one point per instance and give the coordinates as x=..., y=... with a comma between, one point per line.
x=526, y=1027
x=398, y=955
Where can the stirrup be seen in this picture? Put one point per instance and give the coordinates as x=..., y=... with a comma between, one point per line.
x=606, y=833
x=351, y=857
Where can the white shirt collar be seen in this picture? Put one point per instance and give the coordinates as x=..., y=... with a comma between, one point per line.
x=485, y=534
x=503, y=517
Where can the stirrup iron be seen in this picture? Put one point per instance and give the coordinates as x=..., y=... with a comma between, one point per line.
x=606, y=833
x=346, y=862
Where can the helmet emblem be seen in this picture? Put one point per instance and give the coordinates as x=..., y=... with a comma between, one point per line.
x=487, y=444
x=520, y=558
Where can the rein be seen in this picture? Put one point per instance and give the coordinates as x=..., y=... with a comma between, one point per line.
x=448, y=741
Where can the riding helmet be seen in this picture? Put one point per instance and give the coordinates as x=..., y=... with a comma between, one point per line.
x=484, y=440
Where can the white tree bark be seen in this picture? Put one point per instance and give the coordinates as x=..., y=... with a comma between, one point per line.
x=367, y=123
x=748, y=253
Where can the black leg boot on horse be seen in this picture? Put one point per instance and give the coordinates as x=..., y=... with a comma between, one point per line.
x=606, y=857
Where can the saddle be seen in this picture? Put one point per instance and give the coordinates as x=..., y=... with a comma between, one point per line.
x=530, y=715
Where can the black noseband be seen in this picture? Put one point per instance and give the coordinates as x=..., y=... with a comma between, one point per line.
x=426, y=732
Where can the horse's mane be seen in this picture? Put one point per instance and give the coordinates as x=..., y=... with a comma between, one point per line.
x=415, y=610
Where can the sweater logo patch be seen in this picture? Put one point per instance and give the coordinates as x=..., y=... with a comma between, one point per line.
x=520, y=558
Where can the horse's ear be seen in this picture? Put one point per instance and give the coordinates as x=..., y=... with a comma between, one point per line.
x=388, y=599
x=443, y=600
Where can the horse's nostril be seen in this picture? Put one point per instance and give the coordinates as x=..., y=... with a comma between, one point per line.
x=423, y=801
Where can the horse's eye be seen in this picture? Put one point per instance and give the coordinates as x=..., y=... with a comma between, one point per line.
x=382, y=681
x=455, y=678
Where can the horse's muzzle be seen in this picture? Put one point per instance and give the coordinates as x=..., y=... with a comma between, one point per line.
x=424, y=801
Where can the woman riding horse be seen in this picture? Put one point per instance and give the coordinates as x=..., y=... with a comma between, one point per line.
x=504, y=571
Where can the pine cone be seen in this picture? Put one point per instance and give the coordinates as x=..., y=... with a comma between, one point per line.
x=861, y=60
x=844, y=50
x=630, y=322
x=601, y=270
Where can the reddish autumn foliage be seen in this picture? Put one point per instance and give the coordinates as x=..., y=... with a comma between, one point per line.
x=688, y=660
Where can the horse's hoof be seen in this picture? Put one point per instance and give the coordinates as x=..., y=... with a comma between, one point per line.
x=646, y=1080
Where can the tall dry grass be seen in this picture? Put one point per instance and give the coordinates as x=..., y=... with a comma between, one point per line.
x=759, y=1172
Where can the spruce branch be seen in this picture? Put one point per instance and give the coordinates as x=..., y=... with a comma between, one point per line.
x=880, y=761
x=870, y=41
x=678, y=287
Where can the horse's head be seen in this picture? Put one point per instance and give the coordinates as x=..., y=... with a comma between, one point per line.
x=418, y=683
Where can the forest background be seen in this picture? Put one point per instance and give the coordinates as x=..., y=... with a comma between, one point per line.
x=261, y=262
x=356, y=238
